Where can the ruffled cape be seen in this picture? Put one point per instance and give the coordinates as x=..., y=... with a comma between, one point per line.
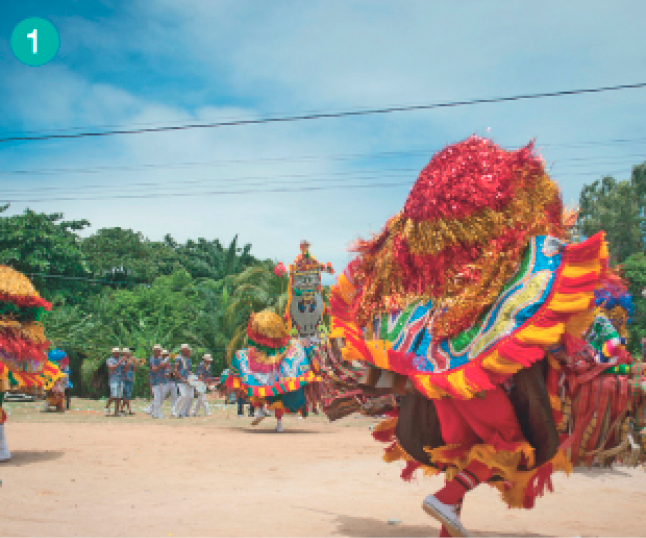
x=292, y=372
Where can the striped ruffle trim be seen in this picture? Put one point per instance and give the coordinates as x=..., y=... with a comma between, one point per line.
x=286, y=385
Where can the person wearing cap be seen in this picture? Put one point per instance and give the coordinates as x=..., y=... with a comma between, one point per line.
x=157, y=380
x=170, y=387
x=128, y=380
x=115, y=367
x=183, y=366
x=203, y=372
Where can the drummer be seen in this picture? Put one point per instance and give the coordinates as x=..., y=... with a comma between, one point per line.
x=183, y=366
x=170, y=386
x=203, y=373
x=128, y=380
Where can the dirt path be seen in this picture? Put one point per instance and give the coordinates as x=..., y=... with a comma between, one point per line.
x=217, y=476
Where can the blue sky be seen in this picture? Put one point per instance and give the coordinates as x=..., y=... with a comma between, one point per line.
x=167, y=62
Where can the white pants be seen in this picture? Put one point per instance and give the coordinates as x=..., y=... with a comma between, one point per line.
x=201, y=402
x=4, y=449
x=171, y=388
x=158, y=399
x=186, y=395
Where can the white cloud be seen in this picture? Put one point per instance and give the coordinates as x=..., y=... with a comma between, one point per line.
x=167, y=62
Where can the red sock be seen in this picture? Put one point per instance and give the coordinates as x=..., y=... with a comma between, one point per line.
x=466, y=480
x=278, y=413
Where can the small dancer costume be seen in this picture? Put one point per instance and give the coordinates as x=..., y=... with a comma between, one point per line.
x=454, y=306
x=56, y=385
x=23, y=345
x=273, y=370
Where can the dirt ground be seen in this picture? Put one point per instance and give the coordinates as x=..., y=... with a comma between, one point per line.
x=83, y=474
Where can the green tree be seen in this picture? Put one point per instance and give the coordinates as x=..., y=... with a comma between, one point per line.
x=125, y=256
x=619, y=209
x=46, y=248
x=634, y=272
x=256, y=288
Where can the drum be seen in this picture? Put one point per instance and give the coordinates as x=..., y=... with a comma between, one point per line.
x=195, y=382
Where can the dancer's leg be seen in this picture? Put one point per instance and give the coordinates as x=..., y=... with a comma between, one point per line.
x=279, y=419
x=469, y=478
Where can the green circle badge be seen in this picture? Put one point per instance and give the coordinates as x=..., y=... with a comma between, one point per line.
x=35, y=41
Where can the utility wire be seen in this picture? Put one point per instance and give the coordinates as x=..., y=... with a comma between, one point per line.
x=243, y=181
x=291, y=187
x=324, y=115
x=208, y=193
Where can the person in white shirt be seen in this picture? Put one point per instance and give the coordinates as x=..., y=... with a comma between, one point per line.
x=183, y=368
x=115, y=366
x=157, y=380
x=203, y=373
x=170, y=386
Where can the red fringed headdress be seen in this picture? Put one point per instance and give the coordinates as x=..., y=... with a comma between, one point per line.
x=461, y=234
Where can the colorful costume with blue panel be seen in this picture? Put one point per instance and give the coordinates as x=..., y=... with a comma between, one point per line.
x=274, y=370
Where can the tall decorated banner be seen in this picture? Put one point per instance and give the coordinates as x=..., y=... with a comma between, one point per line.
x=305, y=307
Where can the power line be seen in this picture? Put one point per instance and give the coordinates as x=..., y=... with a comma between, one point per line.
x=190, y=164
x=287, y=187
x=297, y=159
x=208, y=193
x=323, y=115
x=243, y=181
x=184, y=194
x=84, y=279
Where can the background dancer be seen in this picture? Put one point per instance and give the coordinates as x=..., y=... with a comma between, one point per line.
x=273, y=370
x=23, y=346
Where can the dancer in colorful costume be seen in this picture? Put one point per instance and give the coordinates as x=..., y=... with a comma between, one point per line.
x=23, y=346
x=601, y=385
x=56, y=385
x=274, y=370
x=454, y=306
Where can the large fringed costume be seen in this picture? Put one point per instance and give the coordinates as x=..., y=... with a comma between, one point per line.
x=274, y=369
x=455, y=307
x=23, y=347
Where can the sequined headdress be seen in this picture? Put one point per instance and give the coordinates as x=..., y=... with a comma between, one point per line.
x=461, y=234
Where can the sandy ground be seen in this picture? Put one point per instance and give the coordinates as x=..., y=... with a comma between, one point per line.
x=85, y=474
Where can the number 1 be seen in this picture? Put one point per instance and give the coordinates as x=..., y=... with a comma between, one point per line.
x=34, y=37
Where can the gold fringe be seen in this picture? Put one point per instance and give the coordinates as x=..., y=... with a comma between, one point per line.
x=15, y=283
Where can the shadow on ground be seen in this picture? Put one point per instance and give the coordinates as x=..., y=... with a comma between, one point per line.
x=286, y=431
x=27, y=457
x=364, y=526
x=593, y=472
